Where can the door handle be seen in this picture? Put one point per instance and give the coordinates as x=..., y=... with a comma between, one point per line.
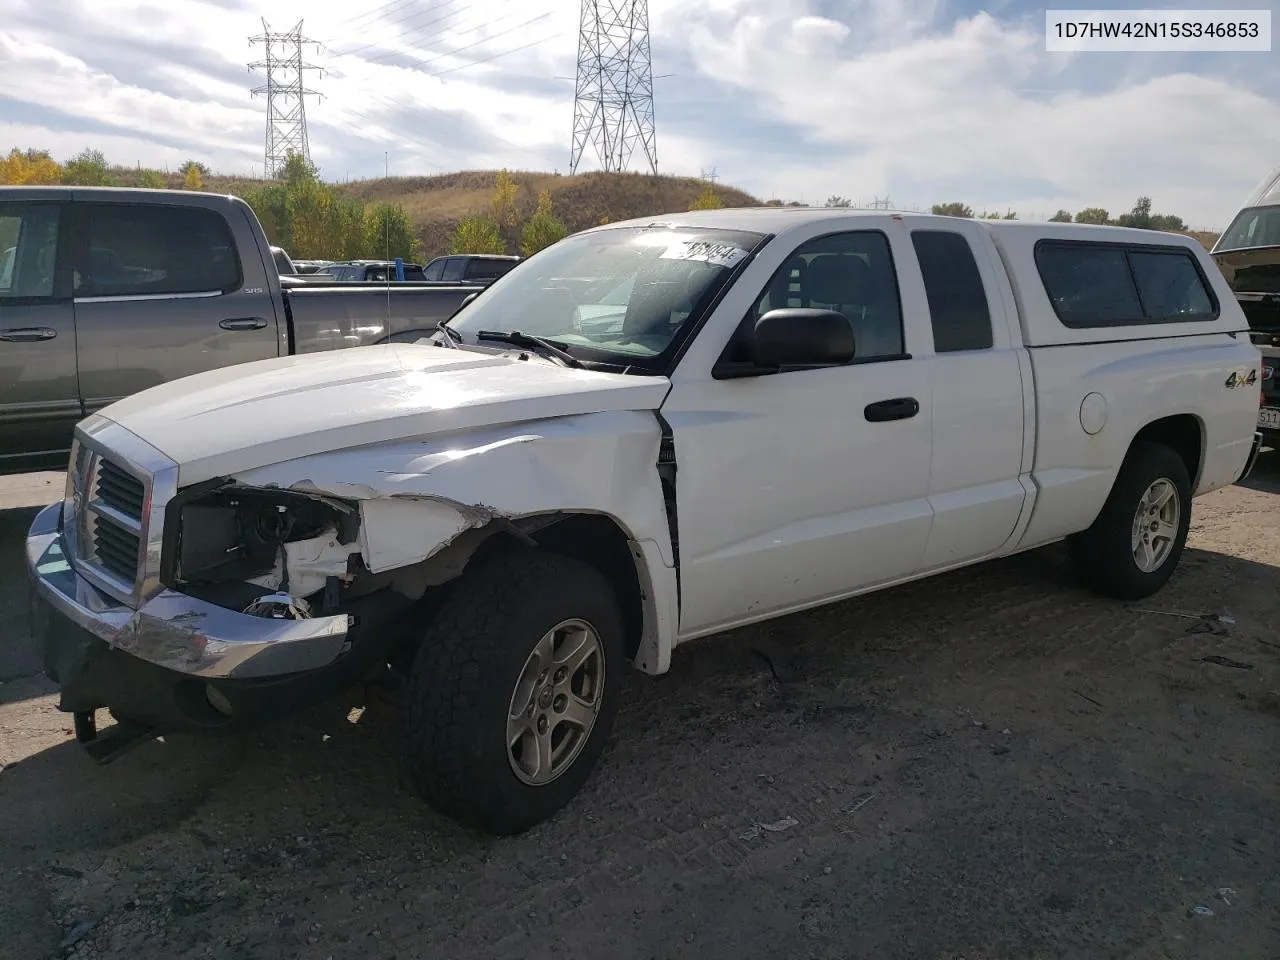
x=243, y=323
x=899, y=408
x=27, y=334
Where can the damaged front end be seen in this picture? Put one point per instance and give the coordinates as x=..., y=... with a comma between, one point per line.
x=214, y=608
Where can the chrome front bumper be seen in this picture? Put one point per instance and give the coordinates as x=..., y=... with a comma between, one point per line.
x=173, y=630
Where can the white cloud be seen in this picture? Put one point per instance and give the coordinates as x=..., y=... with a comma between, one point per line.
x=789, y=98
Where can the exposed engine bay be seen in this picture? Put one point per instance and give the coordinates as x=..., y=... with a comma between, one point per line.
x=267, y=551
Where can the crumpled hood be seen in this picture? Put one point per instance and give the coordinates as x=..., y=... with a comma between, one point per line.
x=254, y=414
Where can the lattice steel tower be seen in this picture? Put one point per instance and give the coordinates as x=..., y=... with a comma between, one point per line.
x=286, y=96
x=613, y=99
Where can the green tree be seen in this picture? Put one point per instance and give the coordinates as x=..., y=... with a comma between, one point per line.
x=707, y=200
x=543, y=228
x=1095, y=215
x=1167, y=221
x=953, y=209
x=1062, y=216
x=1139, y=216
x=389, y=232
x=834, y=201
x=88, y=168
x=152, y=180
x=297, y=170
x=477, y=235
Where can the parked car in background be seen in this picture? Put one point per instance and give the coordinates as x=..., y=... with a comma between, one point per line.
x=469, y=267
x=769, y=410
x=371, y=271
x=1248, y=254
x=114, y=290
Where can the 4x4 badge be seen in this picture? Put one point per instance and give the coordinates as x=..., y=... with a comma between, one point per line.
x=1235, y=380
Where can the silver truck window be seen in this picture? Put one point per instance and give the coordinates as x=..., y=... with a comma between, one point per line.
x=139, y=249
x=851, y=273
x=958, y=307
x=28, y=250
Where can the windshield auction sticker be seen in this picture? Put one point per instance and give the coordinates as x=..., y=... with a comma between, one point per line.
x=715, y=254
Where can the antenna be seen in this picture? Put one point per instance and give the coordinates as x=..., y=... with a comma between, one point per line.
x=286, y=94
x=613, y=95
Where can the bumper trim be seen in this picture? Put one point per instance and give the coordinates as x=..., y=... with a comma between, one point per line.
x=173, y=630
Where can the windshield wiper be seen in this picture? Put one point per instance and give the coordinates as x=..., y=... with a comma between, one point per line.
x=517, y=339
x=452, y=336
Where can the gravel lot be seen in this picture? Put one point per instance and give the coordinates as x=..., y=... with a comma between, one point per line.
x=986, y=765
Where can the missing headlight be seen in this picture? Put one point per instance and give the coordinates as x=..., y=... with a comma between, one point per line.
x=239, y=534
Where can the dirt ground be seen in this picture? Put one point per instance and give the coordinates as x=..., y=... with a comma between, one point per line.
x=991, y=764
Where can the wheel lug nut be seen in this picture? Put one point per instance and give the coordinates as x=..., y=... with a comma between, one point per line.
x=560, y=675
x=560, y=703
x=542, y=723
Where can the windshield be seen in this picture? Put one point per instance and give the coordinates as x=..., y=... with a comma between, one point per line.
x=619, y=296
x=1252, y=227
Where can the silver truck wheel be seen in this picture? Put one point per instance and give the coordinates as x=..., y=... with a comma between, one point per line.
x=1155, y=525
x=553, y=708
x=514, y=689
x=1134, y=545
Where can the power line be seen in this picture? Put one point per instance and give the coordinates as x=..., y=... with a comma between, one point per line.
x=613, y=92
x=286, y=94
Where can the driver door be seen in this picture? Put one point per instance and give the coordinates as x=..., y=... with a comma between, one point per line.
x=39, y=394
x=801, y=487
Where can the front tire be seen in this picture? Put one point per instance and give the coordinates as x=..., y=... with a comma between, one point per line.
x=1134, y=545
x=514, y=690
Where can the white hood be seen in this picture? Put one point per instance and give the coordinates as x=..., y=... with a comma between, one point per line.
x=253, y=414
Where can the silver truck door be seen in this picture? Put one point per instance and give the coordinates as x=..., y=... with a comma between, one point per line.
x=39, y=402
x=164, y=290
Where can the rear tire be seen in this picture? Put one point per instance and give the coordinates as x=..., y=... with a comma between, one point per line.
x=1134, y=545
x=514, y=690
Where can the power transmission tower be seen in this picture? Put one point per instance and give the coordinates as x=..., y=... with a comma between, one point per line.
x=286, y=96
x=712, y=175
x=613, y=97
x=878, y=204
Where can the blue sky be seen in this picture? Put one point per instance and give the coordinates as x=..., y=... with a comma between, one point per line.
x=920, y=102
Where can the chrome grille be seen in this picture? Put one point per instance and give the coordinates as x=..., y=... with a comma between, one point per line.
x=108, y=519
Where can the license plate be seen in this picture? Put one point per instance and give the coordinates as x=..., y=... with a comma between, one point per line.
x=1269, y=418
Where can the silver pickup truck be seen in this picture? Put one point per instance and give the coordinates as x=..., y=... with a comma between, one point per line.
x=105, y=292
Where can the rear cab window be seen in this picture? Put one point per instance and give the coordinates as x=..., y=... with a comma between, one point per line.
x=454, y=268
x=156, y=250
x=434, y=270
x=958, y=308
x=1103, y=284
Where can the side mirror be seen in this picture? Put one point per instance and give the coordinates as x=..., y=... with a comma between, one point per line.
x=801, y=337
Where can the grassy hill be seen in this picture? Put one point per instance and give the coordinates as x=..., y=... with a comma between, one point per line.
x=436, y=204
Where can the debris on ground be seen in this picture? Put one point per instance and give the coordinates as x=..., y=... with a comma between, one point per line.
x=759, y=829
x=1226, y=662
x=1200, y=912
x=781, y=659
x=77, y=933
x=859, y=802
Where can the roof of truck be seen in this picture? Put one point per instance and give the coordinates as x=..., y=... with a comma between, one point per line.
x=778, y=220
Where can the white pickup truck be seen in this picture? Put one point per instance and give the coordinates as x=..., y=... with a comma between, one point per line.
x=647, y=433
